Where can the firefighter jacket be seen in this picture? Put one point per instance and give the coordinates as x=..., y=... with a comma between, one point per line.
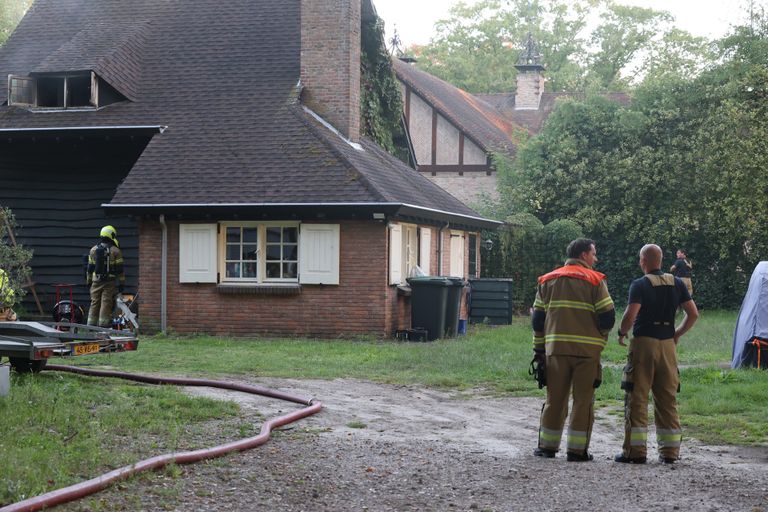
x=7, y=296
x=114, y=265
x=573, y=311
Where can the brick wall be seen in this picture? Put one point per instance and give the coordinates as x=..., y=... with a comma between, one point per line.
x=530, y=86
x=330, y=62
x=363, y=303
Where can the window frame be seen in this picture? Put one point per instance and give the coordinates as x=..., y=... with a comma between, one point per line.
x=261, y=257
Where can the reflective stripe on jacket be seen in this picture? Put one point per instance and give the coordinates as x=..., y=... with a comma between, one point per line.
x=572, y=301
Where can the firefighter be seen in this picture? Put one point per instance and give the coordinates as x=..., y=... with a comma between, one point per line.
x=7, y=298
x=652, y=361
x=572, y=316
x=105, y=276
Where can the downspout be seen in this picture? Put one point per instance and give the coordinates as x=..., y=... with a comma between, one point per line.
x=440, y=248
x=163, y=276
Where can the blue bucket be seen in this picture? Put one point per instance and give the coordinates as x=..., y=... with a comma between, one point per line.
x=462, y=327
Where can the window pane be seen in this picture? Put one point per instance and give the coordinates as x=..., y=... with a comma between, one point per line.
x=250, y=235
x=273, y=270
x=233, y=235
x=273, y=235
x=290, y=235
x=250, y=270
x=289, y=270
x=233, y=252
x=290, y=252
x=250, y=252
x=233, y=270
x=273, y=253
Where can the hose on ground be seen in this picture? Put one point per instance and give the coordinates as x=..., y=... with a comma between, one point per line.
x=99, y=483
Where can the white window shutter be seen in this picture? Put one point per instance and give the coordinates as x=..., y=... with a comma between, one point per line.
x=425, y=250
x=319, y=253
x=457, y=254
x=197, y=253
x=396, y=254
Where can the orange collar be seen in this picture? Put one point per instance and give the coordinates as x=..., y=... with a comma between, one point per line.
x=575, y=271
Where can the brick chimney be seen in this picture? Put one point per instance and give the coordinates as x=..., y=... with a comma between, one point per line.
x=330, y=62
x=530, y=77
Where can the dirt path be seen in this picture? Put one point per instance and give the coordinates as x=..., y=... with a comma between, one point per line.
x=395, y=448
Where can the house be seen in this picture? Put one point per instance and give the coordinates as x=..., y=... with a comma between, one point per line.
x=224, y=144
x=455, y=133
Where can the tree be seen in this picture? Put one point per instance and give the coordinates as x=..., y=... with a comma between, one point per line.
x=682, y=166
x=14, y=259
x=11, y=12
x=477, y=47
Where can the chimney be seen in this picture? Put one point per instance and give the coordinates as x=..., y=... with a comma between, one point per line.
x=530, y=77
x=330, y=62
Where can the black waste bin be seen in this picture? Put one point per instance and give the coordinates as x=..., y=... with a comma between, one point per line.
x=429, y=302
x=453, y=306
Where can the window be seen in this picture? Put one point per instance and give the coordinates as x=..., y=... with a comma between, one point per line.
x=409, y=246
x=251, y=253
x=472, y=255
x=259, y=252
x=54, y=91
x=21, y=90
x=242, y=253
x=410, y=249
x=282, y=252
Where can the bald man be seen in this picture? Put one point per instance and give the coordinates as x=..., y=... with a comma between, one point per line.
x=652, y=359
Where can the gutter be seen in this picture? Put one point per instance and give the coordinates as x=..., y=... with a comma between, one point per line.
x=164, y=276
x=72, y=130
x=391, y=208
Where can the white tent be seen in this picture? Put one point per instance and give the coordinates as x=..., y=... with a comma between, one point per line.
x=750, y=339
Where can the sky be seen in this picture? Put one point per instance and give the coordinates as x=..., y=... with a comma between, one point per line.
x=415, y=19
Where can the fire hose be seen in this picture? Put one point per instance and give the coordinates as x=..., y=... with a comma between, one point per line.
x=99, y=483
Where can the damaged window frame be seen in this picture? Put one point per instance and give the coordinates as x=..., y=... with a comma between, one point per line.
x=29, y=94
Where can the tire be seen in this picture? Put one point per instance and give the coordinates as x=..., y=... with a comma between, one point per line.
x=21, y=365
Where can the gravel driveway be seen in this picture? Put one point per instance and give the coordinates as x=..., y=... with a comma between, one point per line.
x=400, y=448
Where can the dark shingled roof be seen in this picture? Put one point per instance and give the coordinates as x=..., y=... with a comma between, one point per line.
x=479, y=120
x=533, y=120
x=223, y=79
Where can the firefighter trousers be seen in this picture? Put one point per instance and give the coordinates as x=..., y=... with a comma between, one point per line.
x=566, y=374
x=102, y=303
x=651, y=368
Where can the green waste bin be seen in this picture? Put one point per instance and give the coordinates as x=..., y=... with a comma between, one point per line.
x=429, y=304
x=453, y=306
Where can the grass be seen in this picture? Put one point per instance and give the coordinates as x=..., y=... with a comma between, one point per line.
x=54, y=425
x=59, y=429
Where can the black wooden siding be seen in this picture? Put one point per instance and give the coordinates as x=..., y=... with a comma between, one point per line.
x=55, y=188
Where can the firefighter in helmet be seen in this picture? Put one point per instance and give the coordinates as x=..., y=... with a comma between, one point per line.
x=106, y=277
x=7, y=298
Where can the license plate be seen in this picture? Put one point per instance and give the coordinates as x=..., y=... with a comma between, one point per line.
x=85, y=348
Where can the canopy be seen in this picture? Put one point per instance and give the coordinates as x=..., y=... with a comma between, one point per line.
x=752, y=325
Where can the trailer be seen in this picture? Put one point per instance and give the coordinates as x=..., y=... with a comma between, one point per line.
x=29, y=345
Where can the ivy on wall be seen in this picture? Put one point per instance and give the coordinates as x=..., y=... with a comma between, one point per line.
x=380, y=96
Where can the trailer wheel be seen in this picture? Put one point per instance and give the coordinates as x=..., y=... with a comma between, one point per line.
x=22, y=365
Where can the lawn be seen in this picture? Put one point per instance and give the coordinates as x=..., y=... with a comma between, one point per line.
x=55, y=424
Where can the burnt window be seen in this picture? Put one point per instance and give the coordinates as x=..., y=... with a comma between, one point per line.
x=54, y=91
x=50, y=92
x=79, y=91
x=21, y=90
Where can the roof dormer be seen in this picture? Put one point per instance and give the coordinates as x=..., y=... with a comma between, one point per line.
x=61, y=91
